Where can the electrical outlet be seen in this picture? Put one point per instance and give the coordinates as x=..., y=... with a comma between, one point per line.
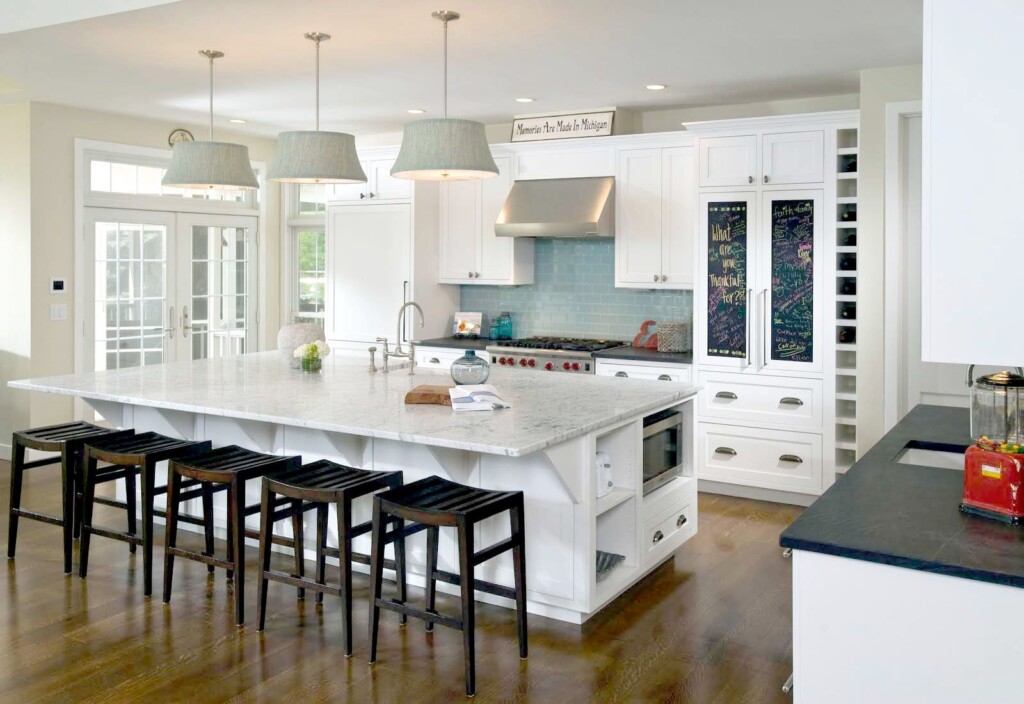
x=58, y=311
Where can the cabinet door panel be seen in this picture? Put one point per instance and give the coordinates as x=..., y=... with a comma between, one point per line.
x=726, y=259
x=793, y=157
x=495, y=252
x=679, y=214
x=351, y=191
x=789, y=310
x=459, y=231
x=728, y=161
x=385, y=186
x=638, y=236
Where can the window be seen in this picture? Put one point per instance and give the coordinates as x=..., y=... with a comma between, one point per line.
x=136, y=178
x=313, y=198
x=311, y=262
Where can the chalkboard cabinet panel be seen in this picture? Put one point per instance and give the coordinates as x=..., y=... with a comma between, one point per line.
x=793, y=157
x=728, y=161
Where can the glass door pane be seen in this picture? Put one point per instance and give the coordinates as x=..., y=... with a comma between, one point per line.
x=218, y=274
x=129, y=321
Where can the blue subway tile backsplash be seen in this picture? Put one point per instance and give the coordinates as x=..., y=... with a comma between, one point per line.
x=574, y=295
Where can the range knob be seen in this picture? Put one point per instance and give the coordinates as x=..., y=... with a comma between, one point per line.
x=522, y=362
x=549, y=366
x=502, y=361
x=533, y=362
x=511, y=362
x=566, y=366
x=575, y=366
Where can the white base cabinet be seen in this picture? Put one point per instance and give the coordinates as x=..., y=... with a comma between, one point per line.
x=644, y=370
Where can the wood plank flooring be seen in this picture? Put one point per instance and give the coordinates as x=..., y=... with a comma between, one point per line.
x=712, y=625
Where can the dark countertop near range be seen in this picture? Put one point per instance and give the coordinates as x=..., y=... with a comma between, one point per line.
x=640, y=354
x=457, y=343
x=908, y=516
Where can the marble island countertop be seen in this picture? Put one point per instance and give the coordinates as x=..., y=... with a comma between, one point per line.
x=547, y=409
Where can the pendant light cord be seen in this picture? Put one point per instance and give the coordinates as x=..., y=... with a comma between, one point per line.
x=211, y=98
x=446, y=69
x=317, y=41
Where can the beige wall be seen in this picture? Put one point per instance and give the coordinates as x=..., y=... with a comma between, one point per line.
x=877, y=87
x=15, y=253
x=54, y=129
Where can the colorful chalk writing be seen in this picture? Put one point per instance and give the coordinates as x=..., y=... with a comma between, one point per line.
x=727, y=279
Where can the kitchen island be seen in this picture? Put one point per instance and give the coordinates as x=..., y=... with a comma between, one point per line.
x=544, y=446
x=897, y=595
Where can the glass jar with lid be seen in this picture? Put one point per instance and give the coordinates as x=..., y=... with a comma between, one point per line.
x=997, y=409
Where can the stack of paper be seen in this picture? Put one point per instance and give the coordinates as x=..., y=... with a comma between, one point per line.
x=476, y=397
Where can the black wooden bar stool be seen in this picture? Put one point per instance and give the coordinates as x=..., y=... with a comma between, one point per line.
x=318, y=485
x=226, y=468
x=67, y=439
x=432, y=503
x=126, y=457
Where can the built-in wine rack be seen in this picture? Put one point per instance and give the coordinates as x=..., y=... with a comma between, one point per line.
x=847, y=153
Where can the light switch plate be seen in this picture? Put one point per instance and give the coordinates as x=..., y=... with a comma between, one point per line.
x=58, y=311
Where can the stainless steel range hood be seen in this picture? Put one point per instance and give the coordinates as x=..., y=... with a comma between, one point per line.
x=559, y=207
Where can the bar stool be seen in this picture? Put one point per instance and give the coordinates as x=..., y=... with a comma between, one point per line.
x=68, y=439
x=128, y=456
x=432, y=503
x=229, y=469
x=321, y=484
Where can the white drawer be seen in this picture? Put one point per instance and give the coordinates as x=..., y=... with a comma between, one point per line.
x=436, y=357
x=770, y=459
x=663, y=534
x=786, y=401
x=645, y=370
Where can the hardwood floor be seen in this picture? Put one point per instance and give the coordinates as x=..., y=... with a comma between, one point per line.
x=712, y=625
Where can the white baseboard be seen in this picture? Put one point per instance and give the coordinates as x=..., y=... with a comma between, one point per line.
x=5, y=452
x=750, y=492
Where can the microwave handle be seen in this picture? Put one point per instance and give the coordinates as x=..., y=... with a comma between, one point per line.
x=674, y=421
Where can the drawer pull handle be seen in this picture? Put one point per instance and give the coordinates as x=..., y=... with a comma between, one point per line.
x=791, y=401
x=791, y=458
x=727, y=395
x=725, y=451
x=621, y=374
x=435, y=360
x=681, y=521
x=658, y=537
x=664, y=377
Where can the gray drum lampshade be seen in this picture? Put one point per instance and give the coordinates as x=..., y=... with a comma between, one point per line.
x=444, y=150
x=316, y=157
x=210, y=165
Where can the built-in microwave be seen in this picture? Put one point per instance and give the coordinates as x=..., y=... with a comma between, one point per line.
x=663, y=448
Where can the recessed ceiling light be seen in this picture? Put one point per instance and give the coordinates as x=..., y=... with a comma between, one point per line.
x=656, y=86
x=237, y=121
x=524, y=100
x=415, y=111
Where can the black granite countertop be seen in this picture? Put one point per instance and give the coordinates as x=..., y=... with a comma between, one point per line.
x=640, y=354
x=458, y=343
x=908, y=516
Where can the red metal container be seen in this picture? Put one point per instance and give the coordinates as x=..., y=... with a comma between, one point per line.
x=993, y=484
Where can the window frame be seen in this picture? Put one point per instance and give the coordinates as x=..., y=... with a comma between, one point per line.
x=295, y=223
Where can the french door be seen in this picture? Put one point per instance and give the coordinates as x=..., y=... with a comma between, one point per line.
x=166, y=286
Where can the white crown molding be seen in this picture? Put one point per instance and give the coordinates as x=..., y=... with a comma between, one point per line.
x=836, y=118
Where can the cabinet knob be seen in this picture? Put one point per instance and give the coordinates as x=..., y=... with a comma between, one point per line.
x=766, y=178
x=471, y=274
x=477, y=275
x=725, y=451
x=657, y=278
x=621, y=374
x=790, y=458
x=728, y=395
x=791, y=401
x=362, y=195
x=681, y=521
x=750, y=179
x=658, y=537
x=664, y=377
x=435, y=360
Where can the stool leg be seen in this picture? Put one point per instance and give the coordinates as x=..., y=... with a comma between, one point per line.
x=17, y=471
x=266, y=535
x=208, y=521
x=76, y=472
x=519, y=570
x=432, y=538
x=231, y=536
x=344, y=511
x=376, y=574
x=129, y=500
x=171, y=537
x=68, y=476
x=88, y=498
x=467, y=576
x=298, y=536
x=400, y=566
x=321, y=545
x=236, y=496
x=148, y=480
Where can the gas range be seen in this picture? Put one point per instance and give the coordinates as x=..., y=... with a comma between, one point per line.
x=553, y=354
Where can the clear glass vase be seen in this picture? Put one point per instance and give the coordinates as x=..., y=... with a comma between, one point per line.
x=311, y=365
x=470, y=369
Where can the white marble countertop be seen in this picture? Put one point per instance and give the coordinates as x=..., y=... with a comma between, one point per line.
x=546, y=408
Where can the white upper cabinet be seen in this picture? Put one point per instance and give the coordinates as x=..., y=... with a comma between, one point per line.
x=793, y=157
x=470, y=252
x=656, y=195
x=728, y=161
x=380, y=184
x=972, y=156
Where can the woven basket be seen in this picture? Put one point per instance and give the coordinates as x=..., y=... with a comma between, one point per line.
x=674, y=336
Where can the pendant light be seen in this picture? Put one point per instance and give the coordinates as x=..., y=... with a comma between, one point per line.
x=210, y=164
x=444, y=149
x=316, y=157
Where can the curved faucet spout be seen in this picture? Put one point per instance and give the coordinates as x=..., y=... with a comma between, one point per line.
x=401, y=319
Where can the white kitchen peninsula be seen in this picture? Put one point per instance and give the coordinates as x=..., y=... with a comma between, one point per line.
x=544, y=446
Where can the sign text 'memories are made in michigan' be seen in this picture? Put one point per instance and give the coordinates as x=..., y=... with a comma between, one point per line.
x=562, y=126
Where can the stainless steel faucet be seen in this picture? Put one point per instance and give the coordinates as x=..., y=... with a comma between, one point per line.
x=397, y=352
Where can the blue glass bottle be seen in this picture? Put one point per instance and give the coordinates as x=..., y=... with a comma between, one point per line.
x=470, y=369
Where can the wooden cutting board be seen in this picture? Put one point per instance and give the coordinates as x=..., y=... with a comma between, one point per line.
x=429, y=394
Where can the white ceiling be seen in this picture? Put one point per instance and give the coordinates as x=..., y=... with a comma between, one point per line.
x=16, y=16
x=385, y=57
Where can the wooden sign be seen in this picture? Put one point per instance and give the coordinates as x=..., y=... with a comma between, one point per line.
x=792, y=314
x=727, y=279
x=584, y=124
